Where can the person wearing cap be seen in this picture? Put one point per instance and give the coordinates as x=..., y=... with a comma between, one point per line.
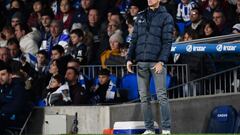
x=16, y=19
x=150, y=48
x=105, y=90
x=12, y=99
x=113, y=56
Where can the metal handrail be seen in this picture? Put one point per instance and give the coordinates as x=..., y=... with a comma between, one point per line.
x=205, y=77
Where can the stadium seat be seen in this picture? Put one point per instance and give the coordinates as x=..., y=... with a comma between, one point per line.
x=129, y=82
x=222, y=119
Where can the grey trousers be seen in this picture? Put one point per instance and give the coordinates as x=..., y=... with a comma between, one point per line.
x=143, y=77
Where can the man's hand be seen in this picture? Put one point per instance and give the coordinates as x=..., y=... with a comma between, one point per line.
x=129, y=66
x=158, y=67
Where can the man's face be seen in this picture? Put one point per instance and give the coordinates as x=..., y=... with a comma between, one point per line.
x=212, y=4
x=133, y=10
x=5, y=77
x=153, y=3
x=93, y=16
x=218, y=18
x=71, y=76
x=37, y=6
x=55, y=29
x=85, y=4
x=41, y=58
x=194, y=16
x=18, y=32
x=46, y=20
x=4, y=54
x=55, y=55
x=14, y=22
x=103, y=79
x=14, y=50
x=112, y=27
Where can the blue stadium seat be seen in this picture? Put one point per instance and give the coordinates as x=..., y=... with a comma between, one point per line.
x=181, y=27
x=129, y=82
x=222, y=119
x=152, y=85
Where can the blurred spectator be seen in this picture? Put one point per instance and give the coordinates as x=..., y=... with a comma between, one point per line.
x=212, y=5
x=17, y=6
x=219, y=18
x=134, y=8
x=238, y=6
x=116, y=16
x=130, y=24
x=94, y=27
x=210, y=29
x=176, y=34
x=26, y=39
x=16, y=19
x=58, y=37
x=14, y=48
x=113, y=56
x=34, y=19
x=77, y=93
x=46, y=18
x=57, y=52
x=77, y=48
x=66, y=14
x=183, y=11
x=42, y=63
x=190, y=35
x=81, y=15
x=13, y=99
x=74, y=63
x=105, y=89
x=6, y=34
x=13, y=64
x=197, y=22
x=57, y=92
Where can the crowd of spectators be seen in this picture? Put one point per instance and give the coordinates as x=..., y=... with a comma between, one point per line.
x=45, y=42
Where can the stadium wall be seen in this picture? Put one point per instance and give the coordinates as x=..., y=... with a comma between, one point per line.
x=189, y=115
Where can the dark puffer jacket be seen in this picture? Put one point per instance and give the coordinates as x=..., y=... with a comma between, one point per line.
x=152, y=36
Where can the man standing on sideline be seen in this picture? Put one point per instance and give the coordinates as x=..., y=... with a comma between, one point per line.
x=150, y=47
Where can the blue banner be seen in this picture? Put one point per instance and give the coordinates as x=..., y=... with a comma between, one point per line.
x=206, y=48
